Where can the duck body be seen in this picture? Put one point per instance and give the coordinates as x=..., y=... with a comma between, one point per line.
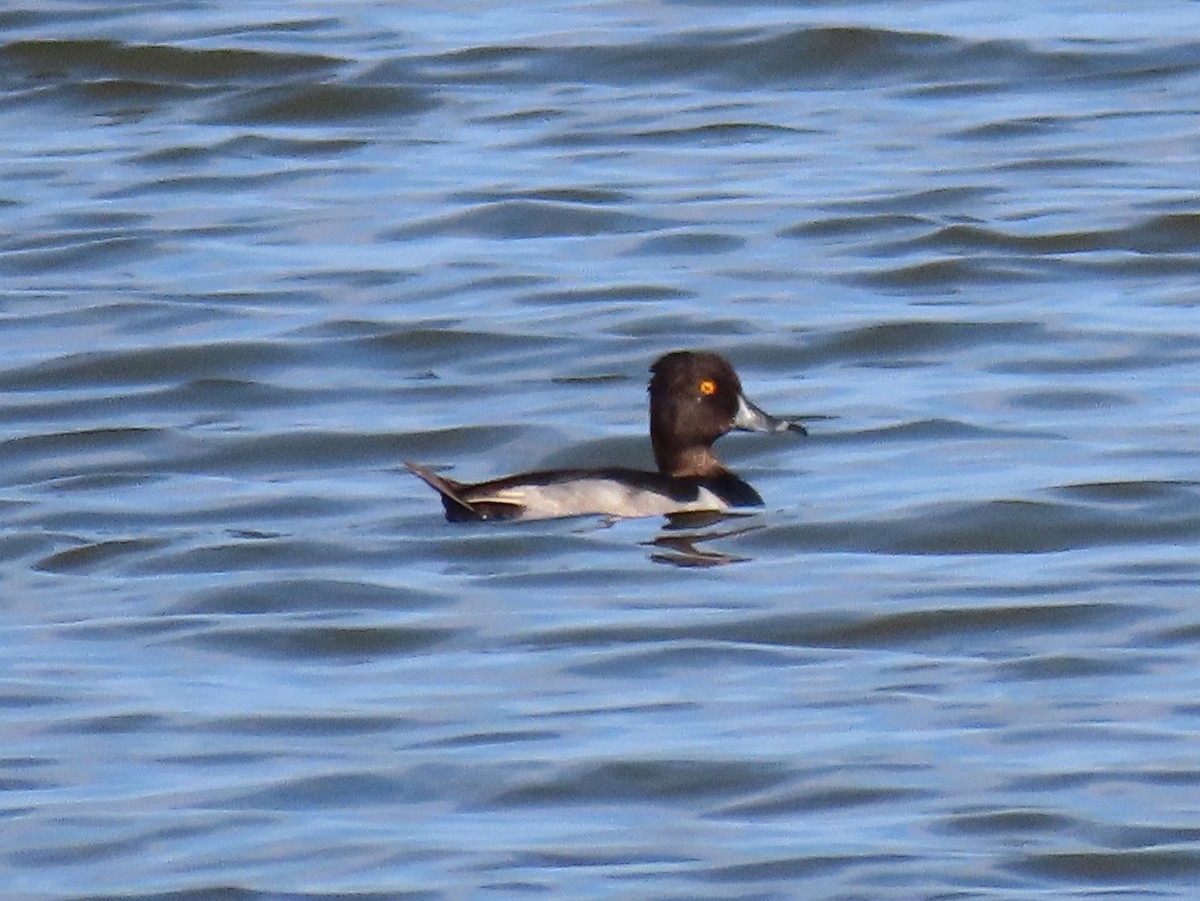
x=580, y=492
x=695, y=398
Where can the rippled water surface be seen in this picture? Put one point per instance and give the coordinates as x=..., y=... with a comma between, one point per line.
x=253, y=256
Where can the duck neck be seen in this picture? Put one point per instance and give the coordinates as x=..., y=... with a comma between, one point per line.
x=692, y=462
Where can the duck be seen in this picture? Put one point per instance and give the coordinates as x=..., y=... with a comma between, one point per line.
x=695, y=398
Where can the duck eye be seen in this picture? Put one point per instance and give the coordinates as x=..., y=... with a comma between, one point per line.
x=707, y=387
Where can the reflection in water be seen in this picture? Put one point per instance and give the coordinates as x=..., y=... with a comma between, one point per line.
x=683, y=533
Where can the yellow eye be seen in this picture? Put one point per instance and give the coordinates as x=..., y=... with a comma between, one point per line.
x=708, y=387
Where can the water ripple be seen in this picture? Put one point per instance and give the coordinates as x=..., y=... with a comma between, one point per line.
x=253, y=260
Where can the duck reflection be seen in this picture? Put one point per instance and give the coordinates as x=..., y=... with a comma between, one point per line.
x=679, y=543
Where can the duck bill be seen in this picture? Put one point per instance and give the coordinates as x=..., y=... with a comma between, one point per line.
x=749, y=418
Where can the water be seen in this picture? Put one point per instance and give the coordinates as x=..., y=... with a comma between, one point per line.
x=252, y=258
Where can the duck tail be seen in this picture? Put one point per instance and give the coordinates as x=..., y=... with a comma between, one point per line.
x=456, y=507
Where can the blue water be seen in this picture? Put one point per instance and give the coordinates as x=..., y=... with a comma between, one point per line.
x=252, y=258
